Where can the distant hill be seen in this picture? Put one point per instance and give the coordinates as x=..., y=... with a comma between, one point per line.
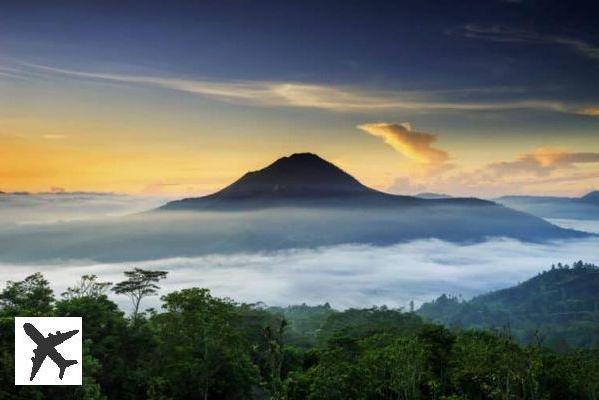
x=585, y=207
x=433, y=196
x=562, y=304
x=591, y=197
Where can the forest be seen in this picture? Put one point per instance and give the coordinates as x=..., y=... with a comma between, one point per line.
x=198, y=346
x=561, y=304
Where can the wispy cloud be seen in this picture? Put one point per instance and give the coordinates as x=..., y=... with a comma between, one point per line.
x=417, y=146
x=497, y=33
x=539, y=163
x=591, y=111
x=345, y=99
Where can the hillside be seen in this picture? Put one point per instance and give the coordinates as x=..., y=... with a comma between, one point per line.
x=562, y=304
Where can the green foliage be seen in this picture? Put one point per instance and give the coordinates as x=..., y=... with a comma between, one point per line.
x=305, y=322
x=203, y=347
x=30, y=297
x=561, y=305
x=140, y=283
x=88, y=286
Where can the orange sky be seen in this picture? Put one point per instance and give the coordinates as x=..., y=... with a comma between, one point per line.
x=79, y=134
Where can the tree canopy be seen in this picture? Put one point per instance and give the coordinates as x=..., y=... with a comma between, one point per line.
x=199, y=346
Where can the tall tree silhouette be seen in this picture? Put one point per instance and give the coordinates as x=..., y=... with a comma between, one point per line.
x=140, y=283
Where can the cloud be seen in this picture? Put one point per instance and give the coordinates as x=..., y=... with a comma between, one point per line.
x=417, y=146
x=590, y=111
x=61, y=206
x=404, y=185
x=345, y=275
x=541, y=162
x=533, y=172
x=345, y=99
x=434, y=173
x=503, y=34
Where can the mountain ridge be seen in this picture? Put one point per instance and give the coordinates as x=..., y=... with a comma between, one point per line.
x=584, y=207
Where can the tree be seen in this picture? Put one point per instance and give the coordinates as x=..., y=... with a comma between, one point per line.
x=106, y=335
x=88, y=286
x=140, y=283
x=274, y=356
x=202, y=351
x=31, y=296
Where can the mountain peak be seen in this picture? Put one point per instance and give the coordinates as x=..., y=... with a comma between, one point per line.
x=303, y=157
x=298, y=163
x=297, y=175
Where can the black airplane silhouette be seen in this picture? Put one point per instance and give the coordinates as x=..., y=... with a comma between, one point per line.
x=46, y=347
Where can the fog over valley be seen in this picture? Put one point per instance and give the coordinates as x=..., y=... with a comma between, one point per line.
x=23, y=209
x=346, y=275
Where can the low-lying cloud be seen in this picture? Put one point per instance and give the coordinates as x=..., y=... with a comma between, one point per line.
x=345, y=275
x=60, y=206
x=348, y=275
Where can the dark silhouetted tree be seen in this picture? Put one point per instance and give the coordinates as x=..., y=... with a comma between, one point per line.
x=140, y=283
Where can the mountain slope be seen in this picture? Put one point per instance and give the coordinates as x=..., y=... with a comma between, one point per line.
x=302, y=179
x=562, y=304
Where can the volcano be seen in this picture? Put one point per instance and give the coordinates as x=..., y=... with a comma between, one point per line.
x=300, y=201
x=319, y=203
x=299, y=180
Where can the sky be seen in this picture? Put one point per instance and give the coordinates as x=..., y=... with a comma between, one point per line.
x=174, y=98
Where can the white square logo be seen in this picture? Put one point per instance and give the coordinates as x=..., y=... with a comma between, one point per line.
x=48, y=351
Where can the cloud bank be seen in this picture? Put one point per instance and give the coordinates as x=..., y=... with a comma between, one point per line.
x=346, y=275
x=60, y=206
